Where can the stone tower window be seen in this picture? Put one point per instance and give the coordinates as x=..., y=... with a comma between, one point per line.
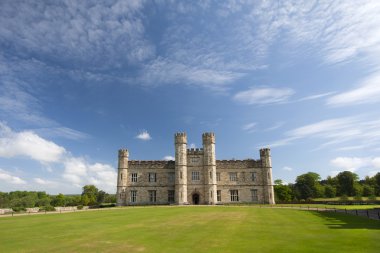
x=152, y=196
x=254, y=197
x=217, y=176
x=133, y=196
x=218, y=195
x=171, y=196
x=233, y=176
x=152, y=177
x=134, y=177
x=253, y=176
x=195, y=176
x=234, y=195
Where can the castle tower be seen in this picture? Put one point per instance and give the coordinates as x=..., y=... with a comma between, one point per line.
x=122, y=177
x=208, y=140
x=266, y=162
x=180, y=140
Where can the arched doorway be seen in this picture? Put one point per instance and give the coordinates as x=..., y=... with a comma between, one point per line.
x=195, y=199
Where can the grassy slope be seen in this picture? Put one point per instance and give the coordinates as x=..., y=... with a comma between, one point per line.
x=190, y=229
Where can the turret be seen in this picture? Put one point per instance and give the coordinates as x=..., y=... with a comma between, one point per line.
x=266, y=162
x=122, y=177
x=180, y=141
x=208, y=140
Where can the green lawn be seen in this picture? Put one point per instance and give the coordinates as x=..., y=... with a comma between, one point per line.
x=190, y=229
x=348, y=207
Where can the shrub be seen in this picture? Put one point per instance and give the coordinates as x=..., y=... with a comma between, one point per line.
x=343, y=198
x=80, y=207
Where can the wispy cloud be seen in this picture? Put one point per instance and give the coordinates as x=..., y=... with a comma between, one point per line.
x=9, y=178
x=144, y=135
x=364, y=131
x=317, y=96
x=354, y=163
x=263, y=95
x=368, y=91
x=250, y=127
x=287, y=168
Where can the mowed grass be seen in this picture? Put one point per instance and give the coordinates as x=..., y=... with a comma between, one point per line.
x=190, y=229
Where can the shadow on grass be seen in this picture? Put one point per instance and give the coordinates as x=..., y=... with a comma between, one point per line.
x=346, y=221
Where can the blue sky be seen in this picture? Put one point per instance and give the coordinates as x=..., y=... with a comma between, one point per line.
x=81, y=79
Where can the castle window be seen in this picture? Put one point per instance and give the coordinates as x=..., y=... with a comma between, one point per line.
x=233, y=176
x=210, y=174
x=171, y=177
x=152, y=177
x=254, y=197
x=121, y=176
x=152, y=196
x=133, y=196
x=253, y=176
x=234, y=195
x=180, y=175
x=218, y=195
x=171, y=196
x=217, y=176
x=195, y=176
x=134, y=177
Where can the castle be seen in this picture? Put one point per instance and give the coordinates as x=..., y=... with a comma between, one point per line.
x=195, y=177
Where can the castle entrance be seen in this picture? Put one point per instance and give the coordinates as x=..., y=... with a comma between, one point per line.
x=195, y=199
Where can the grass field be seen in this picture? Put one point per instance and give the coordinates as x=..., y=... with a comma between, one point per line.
x=190, y=229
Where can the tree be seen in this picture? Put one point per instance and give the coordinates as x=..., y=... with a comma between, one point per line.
x=282, y=192
x=376, y=180
x=59, y=200
x=330, y=191
x=92, y=193
x=368, y=190
x=307, y=185
x=346, y=183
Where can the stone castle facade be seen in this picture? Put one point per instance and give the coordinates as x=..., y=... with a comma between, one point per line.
x=195, y=177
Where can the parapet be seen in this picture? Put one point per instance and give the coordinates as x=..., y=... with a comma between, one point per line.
x=155, y=164
x=195, y=151
x=180, y=138
x=264, y=152
x=123, y=153
x=208, y=138
x=238, y=164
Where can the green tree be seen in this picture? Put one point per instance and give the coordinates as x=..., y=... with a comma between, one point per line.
x=330, y=191
x=376, y=180
x=85, y=200
x=307, y=185
x=100, y=198
x=368, y=190
x=92, y=193
x=59, y=200
x=282, y=192
x=346, y=183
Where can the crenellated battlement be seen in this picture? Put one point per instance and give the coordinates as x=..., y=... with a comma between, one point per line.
x=248, y=163
x=180, y=138
x=195, y=151
x=123, y=153
x=208, y=138
x=154, y=164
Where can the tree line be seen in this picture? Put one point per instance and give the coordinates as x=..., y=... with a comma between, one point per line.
x=346, y=184
x=19, y=200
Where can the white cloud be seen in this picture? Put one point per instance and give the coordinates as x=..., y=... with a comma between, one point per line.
x=317, y=96
x=350, y=163
x=168, y=158
x=264, y=95
x=364, y=131
x=355, y=163
x=287, y=168
x=9, y=178
x=44, y=181
x=367, y=92
x=29, y=144
x=250, y=127
x=79, y=172
x=144, y=135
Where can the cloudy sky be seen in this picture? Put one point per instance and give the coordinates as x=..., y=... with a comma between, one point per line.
x=81, y=79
